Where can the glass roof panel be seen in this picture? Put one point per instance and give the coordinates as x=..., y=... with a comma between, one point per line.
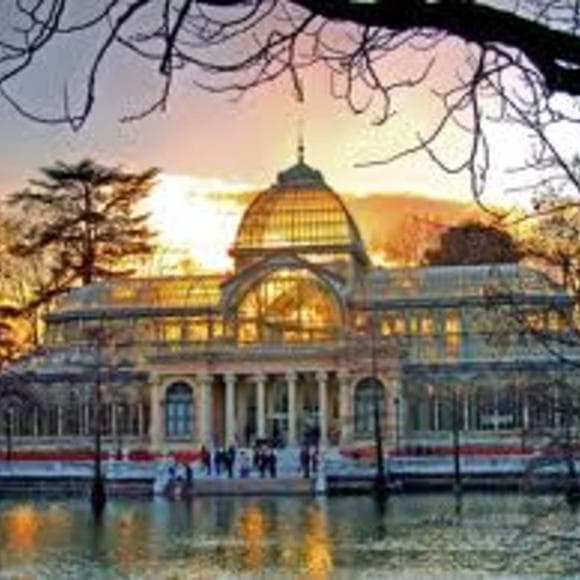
x=203, y=291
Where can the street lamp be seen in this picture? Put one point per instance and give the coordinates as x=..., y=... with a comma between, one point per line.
x=381, y=480
x=456, y=447
x=377, y=389
x=397, y=403
x=98, y=493
x=8, y=415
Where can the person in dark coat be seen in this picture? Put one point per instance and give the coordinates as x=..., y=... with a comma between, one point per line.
x=206, y=459
x=188, y=478
x=262, y=463
x=218, y=461
x=229, y=460
x=273, y=463
x=305, y=461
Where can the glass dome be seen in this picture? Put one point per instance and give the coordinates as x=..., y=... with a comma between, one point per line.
x=299, y=212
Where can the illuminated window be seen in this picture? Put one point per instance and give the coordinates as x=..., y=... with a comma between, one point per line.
x=217, y=329
x=172, y=331
x=179, y=410
x=123, y=293
x=288, y=306
x=535, y=320
x=399, y=325
x=452, y=323
x=452, y=334
x=198, y=330
x=427, y=325
x=386, y=329
x=247, y=332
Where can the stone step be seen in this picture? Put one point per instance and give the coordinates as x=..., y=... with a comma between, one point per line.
x=277, y=486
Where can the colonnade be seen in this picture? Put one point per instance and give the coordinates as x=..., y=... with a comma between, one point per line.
x=217, y=398
x=232, y=427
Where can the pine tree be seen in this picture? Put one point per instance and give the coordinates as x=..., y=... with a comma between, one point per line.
x=86, y=216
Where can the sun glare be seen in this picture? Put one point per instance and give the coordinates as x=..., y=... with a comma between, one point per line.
x=197, y=219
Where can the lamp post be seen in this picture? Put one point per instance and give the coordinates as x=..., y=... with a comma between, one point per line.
x=377, y=386
x=381, y=480
x=98, y=493
x=456, y=446
x=8, y=414
x=397, y=403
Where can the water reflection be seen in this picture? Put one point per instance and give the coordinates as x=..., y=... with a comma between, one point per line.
x=291, y=537
x=22, y=524
x=252, y=529
x=317, y=544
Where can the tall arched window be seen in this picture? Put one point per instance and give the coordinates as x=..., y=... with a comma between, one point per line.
x=369, y=393
x=288, y=305
x=179, y=410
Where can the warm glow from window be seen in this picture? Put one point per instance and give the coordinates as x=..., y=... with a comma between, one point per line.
x=288, y=306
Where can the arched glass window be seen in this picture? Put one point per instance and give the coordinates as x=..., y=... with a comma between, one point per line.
x=289, y=305
x=179, y=410
x=369, y=393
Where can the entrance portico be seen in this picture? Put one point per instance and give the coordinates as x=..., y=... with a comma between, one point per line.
x=290, y=408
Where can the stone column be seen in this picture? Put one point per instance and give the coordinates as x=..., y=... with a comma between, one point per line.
x=59, y=420
x=140, y=419
x=80, y=417
x=114, y=427
x=261, y=405
x=205, y=411
x=230, y=408
x=35, y=422
x=557, y=410
x=291, y=382
x=345, y=415
x=156, y=422
x=87, y=413
x=322, y=378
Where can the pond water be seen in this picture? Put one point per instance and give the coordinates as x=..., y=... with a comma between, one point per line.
x=412, y=536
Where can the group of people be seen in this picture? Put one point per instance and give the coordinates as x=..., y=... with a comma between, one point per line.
x=231, y=462
x=223, y=461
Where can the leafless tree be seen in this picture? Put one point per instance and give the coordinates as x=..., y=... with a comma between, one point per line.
x=483, y=63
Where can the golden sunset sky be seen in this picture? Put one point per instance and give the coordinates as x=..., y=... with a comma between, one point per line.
x=210, y=148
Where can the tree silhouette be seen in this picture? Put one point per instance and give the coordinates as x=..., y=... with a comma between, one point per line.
x=473, y=243
x=87, y=217
x=484, y=63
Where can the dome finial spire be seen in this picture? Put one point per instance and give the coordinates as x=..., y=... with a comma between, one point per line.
x=301, y=148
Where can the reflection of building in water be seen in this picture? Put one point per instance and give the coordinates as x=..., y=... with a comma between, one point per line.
x=317, y=545
x=252, y=530
x=128, y=533
x=21, y=528
x=281, y=346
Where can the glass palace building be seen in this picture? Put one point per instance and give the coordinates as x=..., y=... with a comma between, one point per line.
x=288, y=343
